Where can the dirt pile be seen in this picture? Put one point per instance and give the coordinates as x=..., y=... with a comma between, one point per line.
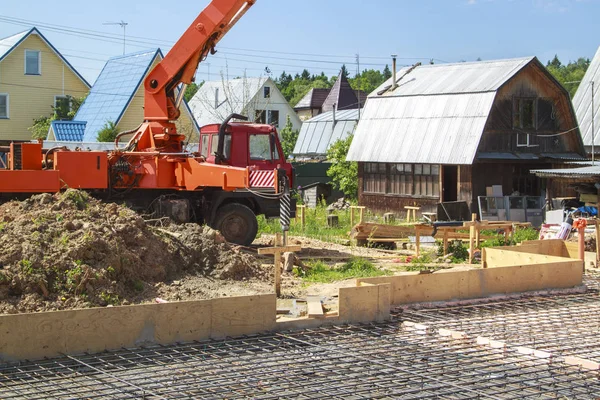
x=69, y=250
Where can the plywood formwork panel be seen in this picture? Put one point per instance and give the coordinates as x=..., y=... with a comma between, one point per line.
x=480, y=283
x=32, y=336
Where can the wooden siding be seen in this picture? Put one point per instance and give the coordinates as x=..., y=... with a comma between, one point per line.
x=554, y=114
x=134, y=115
x=32, y=96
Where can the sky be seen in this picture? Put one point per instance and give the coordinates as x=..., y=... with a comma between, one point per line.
x=319, y=35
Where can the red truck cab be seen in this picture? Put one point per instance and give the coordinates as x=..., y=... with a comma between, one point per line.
x=246, y=145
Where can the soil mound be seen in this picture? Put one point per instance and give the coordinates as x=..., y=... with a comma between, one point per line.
x=70, y=250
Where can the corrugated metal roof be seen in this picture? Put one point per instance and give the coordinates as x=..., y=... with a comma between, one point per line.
x=436, y=115
x=72, y=131
x=582, y=102
x=471, y=77
x=233, y=96
x=585, y=172
x=114, y=90
x=443, y=129
x=318, y=133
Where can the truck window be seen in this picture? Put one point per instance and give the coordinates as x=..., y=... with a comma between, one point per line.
x=204, y=146
x=226, y=147
x=260, y=147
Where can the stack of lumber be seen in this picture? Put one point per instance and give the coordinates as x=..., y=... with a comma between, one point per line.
x=367, y=230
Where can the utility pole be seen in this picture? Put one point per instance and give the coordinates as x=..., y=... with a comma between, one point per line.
x=123, y=25
x=593, y=128
x=358, y=80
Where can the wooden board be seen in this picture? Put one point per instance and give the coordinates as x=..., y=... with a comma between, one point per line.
x=451, y=285
x=365, y=303
x=315, y=308
x=34, y=336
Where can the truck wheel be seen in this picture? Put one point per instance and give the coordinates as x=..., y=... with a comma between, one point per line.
x=237, y=223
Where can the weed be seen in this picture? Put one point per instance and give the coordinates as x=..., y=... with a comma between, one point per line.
x=519, y=235
x=64, y=239
x=78, y=197
x=27, y=267
x=109, y=298
x=457, y=251
x=74, y=275
x=3, y=278
x=2, y=226
x=59, y=218
x=110, y=270
x=319, y=272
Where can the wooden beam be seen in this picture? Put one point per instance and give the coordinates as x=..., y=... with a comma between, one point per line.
x=275, y=250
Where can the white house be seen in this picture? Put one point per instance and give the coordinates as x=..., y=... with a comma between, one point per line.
x=257, y=98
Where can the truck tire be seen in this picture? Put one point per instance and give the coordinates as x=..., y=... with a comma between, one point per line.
x=237, y=223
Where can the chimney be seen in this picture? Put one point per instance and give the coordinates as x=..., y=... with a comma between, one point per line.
x=216, y=98
x=334, y=110
x=394, y=85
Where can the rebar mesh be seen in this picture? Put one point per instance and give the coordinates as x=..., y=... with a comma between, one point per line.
x=374, y=361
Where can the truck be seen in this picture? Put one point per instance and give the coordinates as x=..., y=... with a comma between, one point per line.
x=238, y=173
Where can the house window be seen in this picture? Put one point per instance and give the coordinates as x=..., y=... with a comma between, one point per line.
x=62, y=106
x=33, y=62
x=524, y=113
x=267, y=92
x=260, y=117
x=402, y=179
x=274, y=118
x=526, y=140
x=3, y=106
x=375, y=178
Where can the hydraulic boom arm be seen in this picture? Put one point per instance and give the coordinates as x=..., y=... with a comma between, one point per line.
x=161, y=105
x=181, y=63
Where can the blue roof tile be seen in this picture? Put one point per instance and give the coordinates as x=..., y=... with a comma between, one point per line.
x=113, y=91
x=68, y=131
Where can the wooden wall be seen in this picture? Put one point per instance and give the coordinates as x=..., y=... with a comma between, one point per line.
x=554, y=115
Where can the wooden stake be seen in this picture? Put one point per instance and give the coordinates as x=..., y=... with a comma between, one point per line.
x=597, y=223
x=277, y=252
x=472, y=231
x=352, y=216
x=418, y=240
x=445, y=242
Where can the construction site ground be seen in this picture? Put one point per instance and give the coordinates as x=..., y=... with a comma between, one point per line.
x=408, y=357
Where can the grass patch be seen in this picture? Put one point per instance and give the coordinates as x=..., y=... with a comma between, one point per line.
x=519, y=236
x=319, y=272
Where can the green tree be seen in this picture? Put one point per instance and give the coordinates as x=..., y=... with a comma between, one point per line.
x=345, y=73
x=289, y=136
x=387, y=74
x=191, y=90
x=569, y=75
x=344, y=174
x=108, y=133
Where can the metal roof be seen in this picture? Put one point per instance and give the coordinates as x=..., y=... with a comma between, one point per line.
x=7, y=45
x=470, y=77
x=318, y=133
x=114, y=90
x=72, y=131
x=582, y=102
x=585, y=172
x=232, y=97
x=436, y=115
x=313, y=99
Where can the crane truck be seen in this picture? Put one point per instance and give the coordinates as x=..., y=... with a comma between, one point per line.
x=225, y=185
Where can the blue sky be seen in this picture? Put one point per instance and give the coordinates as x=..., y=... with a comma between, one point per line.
x=319, y=35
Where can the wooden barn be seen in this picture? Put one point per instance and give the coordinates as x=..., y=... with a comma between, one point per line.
x=442, y=133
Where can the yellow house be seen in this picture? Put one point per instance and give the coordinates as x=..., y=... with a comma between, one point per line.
x=118, y=97
x=34, y=76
